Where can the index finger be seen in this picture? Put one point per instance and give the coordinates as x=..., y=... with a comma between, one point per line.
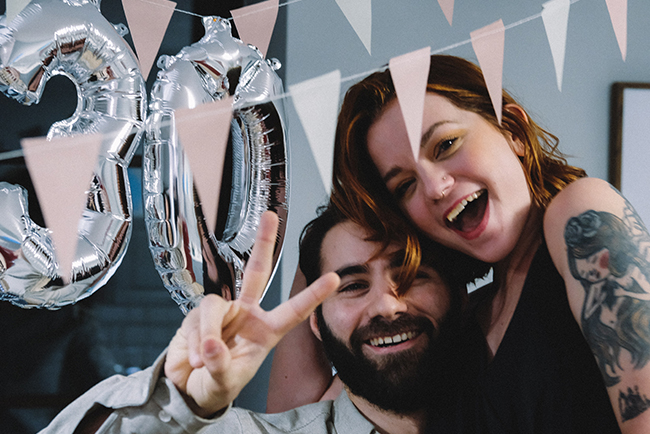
x=295, y=310
x=260, y=264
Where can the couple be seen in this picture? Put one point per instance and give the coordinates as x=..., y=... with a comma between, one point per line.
x=502, y=194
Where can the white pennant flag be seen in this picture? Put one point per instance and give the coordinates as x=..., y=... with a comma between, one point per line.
x=488, y=43
x=255, y=23
x=317, y=102
x=359, y=14
x=409, y=73
x=61, y=171
x=148, y=23
x=447, y=7
x=203, y=132
x=555, y=15
x=618, y=14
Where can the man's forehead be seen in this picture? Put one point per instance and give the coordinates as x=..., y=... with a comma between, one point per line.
x=345, y=245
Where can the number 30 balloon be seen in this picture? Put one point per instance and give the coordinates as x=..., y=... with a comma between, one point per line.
x=189, y=258
x=71, y=38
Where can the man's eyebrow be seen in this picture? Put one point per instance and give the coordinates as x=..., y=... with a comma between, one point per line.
x=352, y=269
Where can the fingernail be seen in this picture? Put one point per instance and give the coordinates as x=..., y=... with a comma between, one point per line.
x=210, y=347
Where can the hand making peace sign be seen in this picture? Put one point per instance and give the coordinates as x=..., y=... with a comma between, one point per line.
x=221, y=344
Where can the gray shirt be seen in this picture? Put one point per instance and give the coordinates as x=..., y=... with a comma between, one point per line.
x=147, y=402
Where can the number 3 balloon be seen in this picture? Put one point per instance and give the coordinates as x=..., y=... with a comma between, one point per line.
x=71, y=38
x=190, y=259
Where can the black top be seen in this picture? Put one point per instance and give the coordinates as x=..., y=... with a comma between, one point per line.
x=544, y=378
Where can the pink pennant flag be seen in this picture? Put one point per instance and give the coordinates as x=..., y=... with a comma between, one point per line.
x=14, y=7
x=203, y=132
x=317, y=102
x=447, y=7
x=488, y=43
x=255, y=23
x=61, y=171
x=148, y=21
x=618, y=14
x=359, y=14
x=409, y=73
x=555, y=15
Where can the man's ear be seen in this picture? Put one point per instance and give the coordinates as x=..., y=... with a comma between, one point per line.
x=518, y=111
x=313, y=323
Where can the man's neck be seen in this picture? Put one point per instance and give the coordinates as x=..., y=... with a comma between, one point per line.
x=387, y=422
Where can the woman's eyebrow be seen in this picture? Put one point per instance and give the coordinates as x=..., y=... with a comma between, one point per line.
x=428, y=133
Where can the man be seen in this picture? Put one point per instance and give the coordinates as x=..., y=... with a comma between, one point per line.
x=386, y=345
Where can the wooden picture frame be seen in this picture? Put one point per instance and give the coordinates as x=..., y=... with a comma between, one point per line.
x=629, y=153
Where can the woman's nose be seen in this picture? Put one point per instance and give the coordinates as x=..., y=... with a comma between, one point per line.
x=435, y=182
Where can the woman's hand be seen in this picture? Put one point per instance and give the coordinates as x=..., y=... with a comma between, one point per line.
x=221, y=344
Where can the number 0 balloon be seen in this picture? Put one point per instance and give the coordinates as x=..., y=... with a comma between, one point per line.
x=71, y=38
x=191, y=259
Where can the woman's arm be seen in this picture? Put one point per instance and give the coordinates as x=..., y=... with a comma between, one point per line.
x=588, y=216
x=300, y=373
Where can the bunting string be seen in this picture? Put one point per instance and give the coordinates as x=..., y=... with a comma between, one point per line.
x=10, y=155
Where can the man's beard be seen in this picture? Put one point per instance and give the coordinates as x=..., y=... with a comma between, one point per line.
x=403, y=382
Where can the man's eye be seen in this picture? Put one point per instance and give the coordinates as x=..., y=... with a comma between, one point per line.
x=354, y=286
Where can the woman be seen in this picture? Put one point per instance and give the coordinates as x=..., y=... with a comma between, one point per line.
x=503, y=194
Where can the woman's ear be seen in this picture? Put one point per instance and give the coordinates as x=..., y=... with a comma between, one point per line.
x=313, y=323
x=518, y=111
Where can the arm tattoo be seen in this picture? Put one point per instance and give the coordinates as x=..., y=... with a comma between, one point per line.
x=609, y=256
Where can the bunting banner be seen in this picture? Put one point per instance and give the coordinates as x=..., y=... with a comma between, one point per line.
x=255, y=23
x=148, y=23
x=409, y=73
x=488, y=43
x=203, y=132
x=447, y=7
x=555, y=15
x=359, y=14
x=14, y=7
x=317, y=102
x=61, y=171
x=618, y=14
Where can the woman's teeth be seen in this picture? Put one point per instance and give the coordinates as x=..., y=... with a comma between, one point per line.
x=461, y=206
x=389, y=340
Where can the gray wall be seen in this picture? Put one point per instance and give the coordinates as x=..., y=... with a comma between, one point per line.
x=320, y=39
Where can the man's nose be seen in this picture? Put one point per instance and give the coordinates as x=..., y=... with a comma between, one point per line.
x=386, y=302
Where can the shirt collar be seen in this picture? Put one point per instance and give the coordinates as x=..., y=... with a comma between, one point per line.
x=348, y=419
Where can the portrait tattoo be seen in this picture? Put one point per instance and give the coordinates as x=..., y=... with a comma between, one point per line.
x=610, y=257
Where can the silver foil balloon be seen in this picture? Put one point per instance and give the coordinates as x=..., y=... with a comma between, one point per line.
x=191, y=259
x=72, y=38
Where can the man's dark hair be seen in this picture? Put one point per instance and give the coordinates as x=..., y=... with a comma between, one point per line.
x=311, y=240
x=455, y=268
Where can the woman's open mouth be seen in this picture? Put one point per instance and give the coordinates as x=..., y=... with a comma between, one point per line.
x=468, y=213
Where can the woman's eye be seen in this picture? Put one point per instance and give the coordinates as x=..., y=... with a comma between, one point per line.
x=403, y=188
x=422, y=275
x=444, y=146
